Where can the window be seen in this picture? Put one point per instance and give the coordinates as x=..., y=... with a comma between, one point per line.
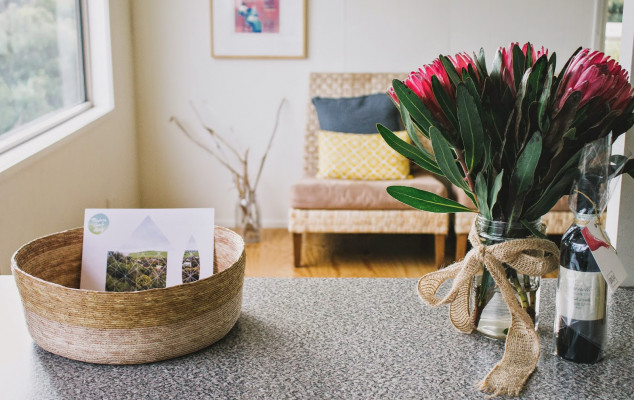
x=613, y=28
x=42, y=74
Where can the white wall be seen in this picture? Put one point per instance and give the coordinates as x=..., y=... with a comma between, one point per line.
x=174, y=66
x=48, y=192
x=621, y=208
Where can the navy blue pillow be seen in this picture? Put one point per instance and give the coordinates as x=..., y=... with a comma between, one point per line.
x=357, y=114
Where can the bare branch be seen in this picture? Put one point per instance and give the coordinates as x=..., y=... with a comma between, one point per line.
x=203, y=146
x=268, y=147
x=216, y=135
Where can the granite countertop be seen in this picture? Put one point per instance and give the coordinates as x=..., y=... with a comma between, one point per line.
x=322, y=339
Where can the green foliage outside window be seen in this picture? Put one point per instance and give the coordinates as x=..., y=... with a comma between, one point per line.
x=615, y=10
x=41, y=68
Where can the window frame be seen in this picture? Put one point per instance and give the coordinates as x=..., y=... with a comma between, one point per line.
x=30, y=140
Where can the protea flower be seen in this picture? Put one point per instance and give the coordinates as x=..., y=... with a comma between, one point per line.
x=513, y=151
x=420, y=82
x=506, y=70
x=595, y=75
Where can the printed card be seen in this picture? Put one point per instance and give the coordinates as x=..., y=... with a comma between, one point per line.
x=604, y=254
x=128, y=250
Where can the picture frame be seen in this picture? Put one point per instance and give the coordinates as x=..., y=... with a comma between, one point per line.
x=258, y=28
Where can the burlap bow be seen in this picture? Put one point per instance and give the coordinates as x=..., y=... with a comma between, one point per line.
x=522, y=344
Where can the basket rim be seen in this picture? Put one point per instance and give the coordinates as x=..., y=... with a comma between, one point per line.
x=15, y=269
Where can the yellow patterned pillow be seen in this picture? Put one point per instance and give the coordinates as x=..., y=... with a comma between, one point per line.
x=359, y=156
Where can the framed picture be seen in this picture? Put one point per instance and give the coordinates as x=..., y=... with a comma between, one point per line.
x=258, y=28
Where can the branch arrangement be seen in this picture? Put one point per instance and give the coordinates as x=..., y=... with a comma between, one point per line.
x=238, y=163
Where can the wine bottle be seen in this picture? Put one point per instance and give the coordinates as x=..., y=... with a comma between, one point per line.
x=581, y=321
x=581, y=326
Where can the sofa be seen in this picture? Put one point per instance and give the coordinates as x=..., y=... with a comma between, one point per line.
x=341, y=206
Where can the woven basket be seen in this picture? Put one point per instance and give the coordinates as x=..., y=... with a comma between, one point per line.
x=127, y=327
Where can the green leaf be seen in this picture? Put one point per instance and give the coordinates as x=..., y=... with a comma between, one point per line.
x=481, y=64
x=557, y=80
x=521, y=128
x=532, y=230
x=451, y=71
x=473, y=90
x=529, y=54
x=494, y=117
x=471, y=73
x=416, y=108
x=411, y=132
x=444, y=101
x=426, y=201
x=470, y=127
x=552, y=61
x=482, y=194
x=409, y=151
x=524, y=173
x=559, y=186
x=495, y=190
x=518, y=65
x=487, y=155
x=495, y=74
x=562, y=121
x=445, y=159
x=551, y=196
x=570, y=134
x=536, y=76
x=624, y=122
x=544, y=99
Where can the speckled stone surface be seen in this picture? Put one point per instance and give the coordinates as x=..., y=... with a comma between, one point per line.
x=322, y=339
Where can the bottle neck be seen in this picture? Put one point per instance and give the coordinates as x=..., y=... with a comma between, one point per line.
x=584, y=219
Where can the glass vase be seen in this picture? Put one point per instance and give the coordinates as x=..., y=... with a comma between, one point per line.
x=248, y=217
x=490, y=314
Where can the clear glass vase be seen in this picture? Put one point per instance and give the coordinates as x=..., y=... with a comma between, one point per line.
x=248, y=217
x=489, y=311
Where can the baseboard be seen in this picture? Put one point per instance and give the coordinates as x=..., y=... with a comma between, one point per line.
x=267, y=223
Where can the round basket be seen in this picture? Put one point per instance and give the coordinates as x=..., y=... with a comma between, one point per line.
x=124, y=327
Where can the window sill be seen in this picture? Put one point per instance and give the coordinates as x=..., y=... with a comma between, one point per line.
x=41, y=145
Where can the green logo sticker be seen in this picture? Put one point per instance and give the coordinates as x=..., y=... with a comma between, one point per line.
x=98, y=223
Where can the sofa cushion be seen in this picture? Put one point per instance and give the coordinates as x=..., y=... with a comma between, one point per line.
x=339, y=194
x=360, y=156
x=357, y=114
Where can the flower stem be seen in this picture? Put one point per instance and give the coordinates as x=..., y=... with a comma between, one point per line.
x=463, y=164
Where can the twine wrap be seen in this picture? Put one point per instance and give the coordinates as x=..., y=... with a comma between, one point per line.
x=521, y=350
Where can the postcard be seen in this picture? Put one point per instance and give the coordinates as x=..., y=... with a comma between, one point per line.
x=127, y=250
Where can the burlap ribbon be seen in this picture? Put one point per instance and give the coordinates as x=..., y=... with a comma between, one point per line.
x=532, y=256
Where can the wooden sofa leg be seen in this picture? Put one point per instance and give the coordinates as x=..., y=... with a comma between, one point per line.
x=461, y=246
x=439, y=249
x=297, y=249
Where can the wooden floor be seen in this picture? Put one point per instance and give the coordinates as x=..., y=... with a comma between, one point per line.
x=345, y=255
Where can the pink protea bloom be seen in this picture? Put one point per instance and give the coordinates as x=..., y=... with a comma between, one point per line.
x=595, y=74
x=420, y=83
x=506, y=71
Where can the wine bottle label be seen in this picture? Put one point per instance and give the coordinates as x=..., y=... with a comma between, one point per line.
x=581, y=295
x=604, y=254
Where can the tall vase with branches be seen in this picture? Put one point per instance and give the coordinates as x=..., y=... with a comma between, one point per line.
x=247, y=222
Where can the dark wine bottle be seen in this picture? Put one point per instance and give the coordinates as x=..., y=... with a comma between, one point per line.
x=581, y=320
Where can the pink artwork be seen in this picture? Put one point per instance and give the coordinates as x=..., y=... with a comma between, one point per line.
x=257, y=16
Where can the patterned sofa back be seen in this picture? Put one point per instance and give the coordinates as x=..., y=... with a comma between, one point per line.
x=338, y=84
